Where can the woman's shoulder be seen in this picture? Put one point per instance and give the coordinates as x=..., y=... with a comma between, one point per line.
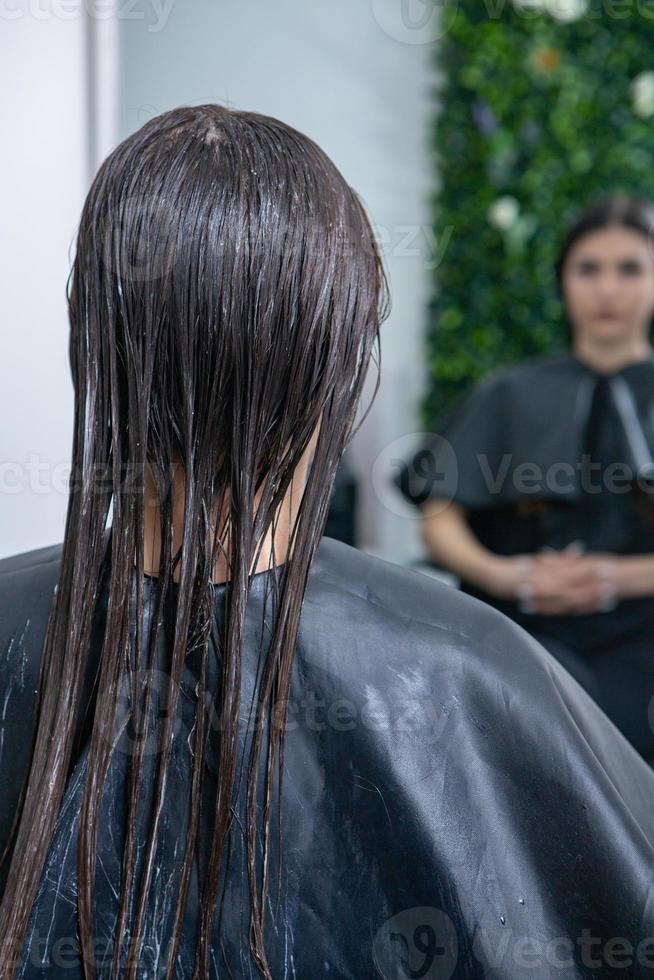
x=530, y=370
x=501, y=387
x=389, y=613
x=367, y=586
x=33, y=559
x=27, y=587
x=476, y=677
x=363, y=615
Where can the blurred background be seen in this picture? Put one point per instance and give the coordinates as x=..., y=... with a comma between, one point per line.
x=473, y=131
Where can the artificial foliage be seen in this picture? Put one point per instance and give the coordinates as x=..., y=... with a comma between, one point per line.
x=542, y=105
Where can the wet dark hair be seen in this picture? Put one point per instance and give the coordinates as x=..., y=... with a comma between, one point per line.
x=619, y=209
x=225, y=300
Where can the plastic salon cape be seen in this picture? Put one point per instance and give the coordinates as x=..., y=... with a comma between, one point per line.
x=544, y=453
x=455, y=805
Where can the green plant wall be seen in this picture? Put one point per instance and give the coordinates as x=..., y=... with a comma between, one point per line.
x=542, y=105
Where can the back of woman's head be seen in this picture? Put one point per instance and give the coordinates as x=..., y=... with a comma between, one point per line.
x=225, y=300
x=228, y=288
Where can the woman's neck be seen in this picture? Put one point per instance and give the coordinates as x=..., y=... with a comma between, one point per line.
x=607, y=358
x=276, y=544
x=275, y=549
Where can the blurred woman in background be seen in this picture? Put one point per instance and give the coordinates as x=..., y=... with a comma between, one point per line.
x=538, y=491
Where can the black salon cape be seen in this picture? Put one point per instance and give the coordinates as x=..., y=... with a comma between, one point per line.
x=515, y=455
x=454, y=804
x=521, y=434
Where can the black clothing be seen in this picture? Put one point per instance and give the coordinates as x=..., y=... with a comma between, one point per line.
x=341, y=519
x=454, y=804
x=545, y=453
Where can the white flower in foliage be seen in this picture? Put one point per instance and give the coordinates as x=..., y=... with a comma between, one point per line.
x=642, y=94
x=503, y=213
x=565, y=11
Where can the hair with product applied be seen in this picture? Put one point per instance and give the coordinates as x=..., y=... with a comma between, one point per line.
x=225, y=302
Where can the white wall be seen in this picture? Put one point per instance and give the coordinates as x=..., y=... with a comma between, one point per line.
x=43, y=172
x=355, y=75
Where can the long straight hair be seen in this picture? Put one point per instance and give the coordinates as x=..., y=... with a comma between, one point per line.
x=225, y=300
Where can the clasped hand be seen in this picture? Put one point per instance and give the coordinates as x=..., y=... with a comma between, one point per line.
x=567, y=582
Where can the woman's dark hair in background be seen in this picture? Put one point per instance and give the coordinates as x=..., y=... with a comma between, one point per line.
x=225, y=298
x=618, y=209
